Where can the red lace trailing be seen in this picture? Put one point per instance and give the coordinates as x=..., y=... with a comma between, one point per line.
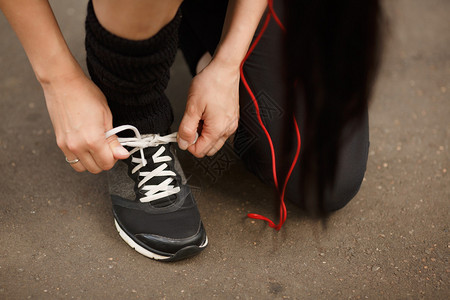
x=283, y=212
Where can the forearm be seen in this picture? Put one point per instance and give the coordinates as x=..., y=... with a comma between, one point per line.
x=39, y=33
x=241, y=21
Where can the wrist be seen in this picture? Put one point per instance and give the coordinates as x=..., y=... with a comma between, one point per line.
x=241, y=21
x=226, y=62
x=57, y=68
x=229, y=58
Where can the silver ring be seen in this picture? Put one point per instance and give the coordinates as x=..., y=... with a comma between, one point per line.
x=72, y=161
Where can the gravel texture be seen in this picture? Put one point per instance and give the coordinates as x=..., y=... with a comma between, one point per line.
x=392, y=241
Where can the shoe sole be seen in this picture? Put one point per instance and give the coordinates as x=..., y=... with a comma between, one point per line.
x=186, y=252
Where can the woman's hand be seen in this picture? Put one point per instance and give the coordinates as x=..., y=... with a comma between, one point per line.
x=212, y=109
x=77, y=108
x=80, y=117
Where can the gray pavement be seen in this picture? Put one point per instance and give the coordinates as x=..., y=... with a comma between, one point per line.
x=392, y=241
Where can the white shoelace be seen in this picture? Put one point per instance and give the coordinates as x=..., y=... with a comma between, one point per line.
x=138, y=143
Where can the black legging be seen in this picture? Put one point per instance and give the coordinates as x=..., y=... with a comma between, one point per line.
x=200, y=32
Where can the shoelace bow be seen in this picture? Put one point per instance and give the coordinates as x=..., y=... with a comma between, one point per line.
x=139, y=143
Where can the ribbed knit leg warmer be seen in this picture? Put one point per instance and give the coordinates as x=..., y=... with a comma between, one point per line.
x=133, y=75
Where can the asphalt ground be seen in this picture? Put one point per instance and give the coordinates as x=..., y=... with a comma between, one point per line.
x=391, y=241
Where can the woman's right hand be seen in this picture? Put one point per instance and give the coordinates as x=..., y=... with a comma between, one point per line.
x=81, y=117
x=77, y=108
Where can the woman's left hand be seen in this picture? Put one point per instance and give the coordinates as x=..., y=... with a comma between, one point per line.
x=212, y=109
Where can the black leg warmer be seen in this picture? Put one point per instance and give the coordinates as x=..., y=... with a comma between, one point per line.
x=133, y=75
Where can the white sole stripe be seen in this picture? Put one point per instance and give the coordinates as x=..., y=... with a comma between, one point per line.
x=141, y=249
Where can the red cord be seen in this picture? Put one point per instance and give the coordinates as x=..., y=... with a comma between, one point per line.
x=283, y=212
x=274, y=15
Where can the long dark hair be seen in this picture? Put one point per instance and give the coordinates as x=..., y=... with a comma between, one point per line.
x=332, y=50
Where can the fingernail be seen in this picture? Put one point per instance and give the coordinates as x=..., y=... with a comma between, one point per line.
x=196, y=138
x=122, y=151
x=183, y=144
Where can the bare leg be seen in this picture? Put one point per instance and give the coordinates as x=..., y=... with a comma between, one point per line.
x=135, y=19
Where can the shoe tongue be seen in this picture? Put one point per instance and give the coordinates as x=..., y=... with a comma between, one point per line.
x=149, y=152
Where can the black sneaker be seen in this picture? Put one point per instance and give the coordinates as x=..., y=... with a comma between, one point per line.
x=154, y=210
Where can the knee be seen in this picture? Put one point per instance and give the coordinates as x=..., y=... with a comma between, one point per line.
x=135, y=20
x=336, y=197
x=344, y=190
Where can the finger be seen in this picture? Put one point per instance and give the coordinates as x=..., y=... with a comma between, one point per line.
x=78, y=166
x=188, y=127
x=103, y=156
x=202, y=146
x=219, y=144
x=89, y=163
x=97, y=155
x=232, y=127
x=118, y=151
